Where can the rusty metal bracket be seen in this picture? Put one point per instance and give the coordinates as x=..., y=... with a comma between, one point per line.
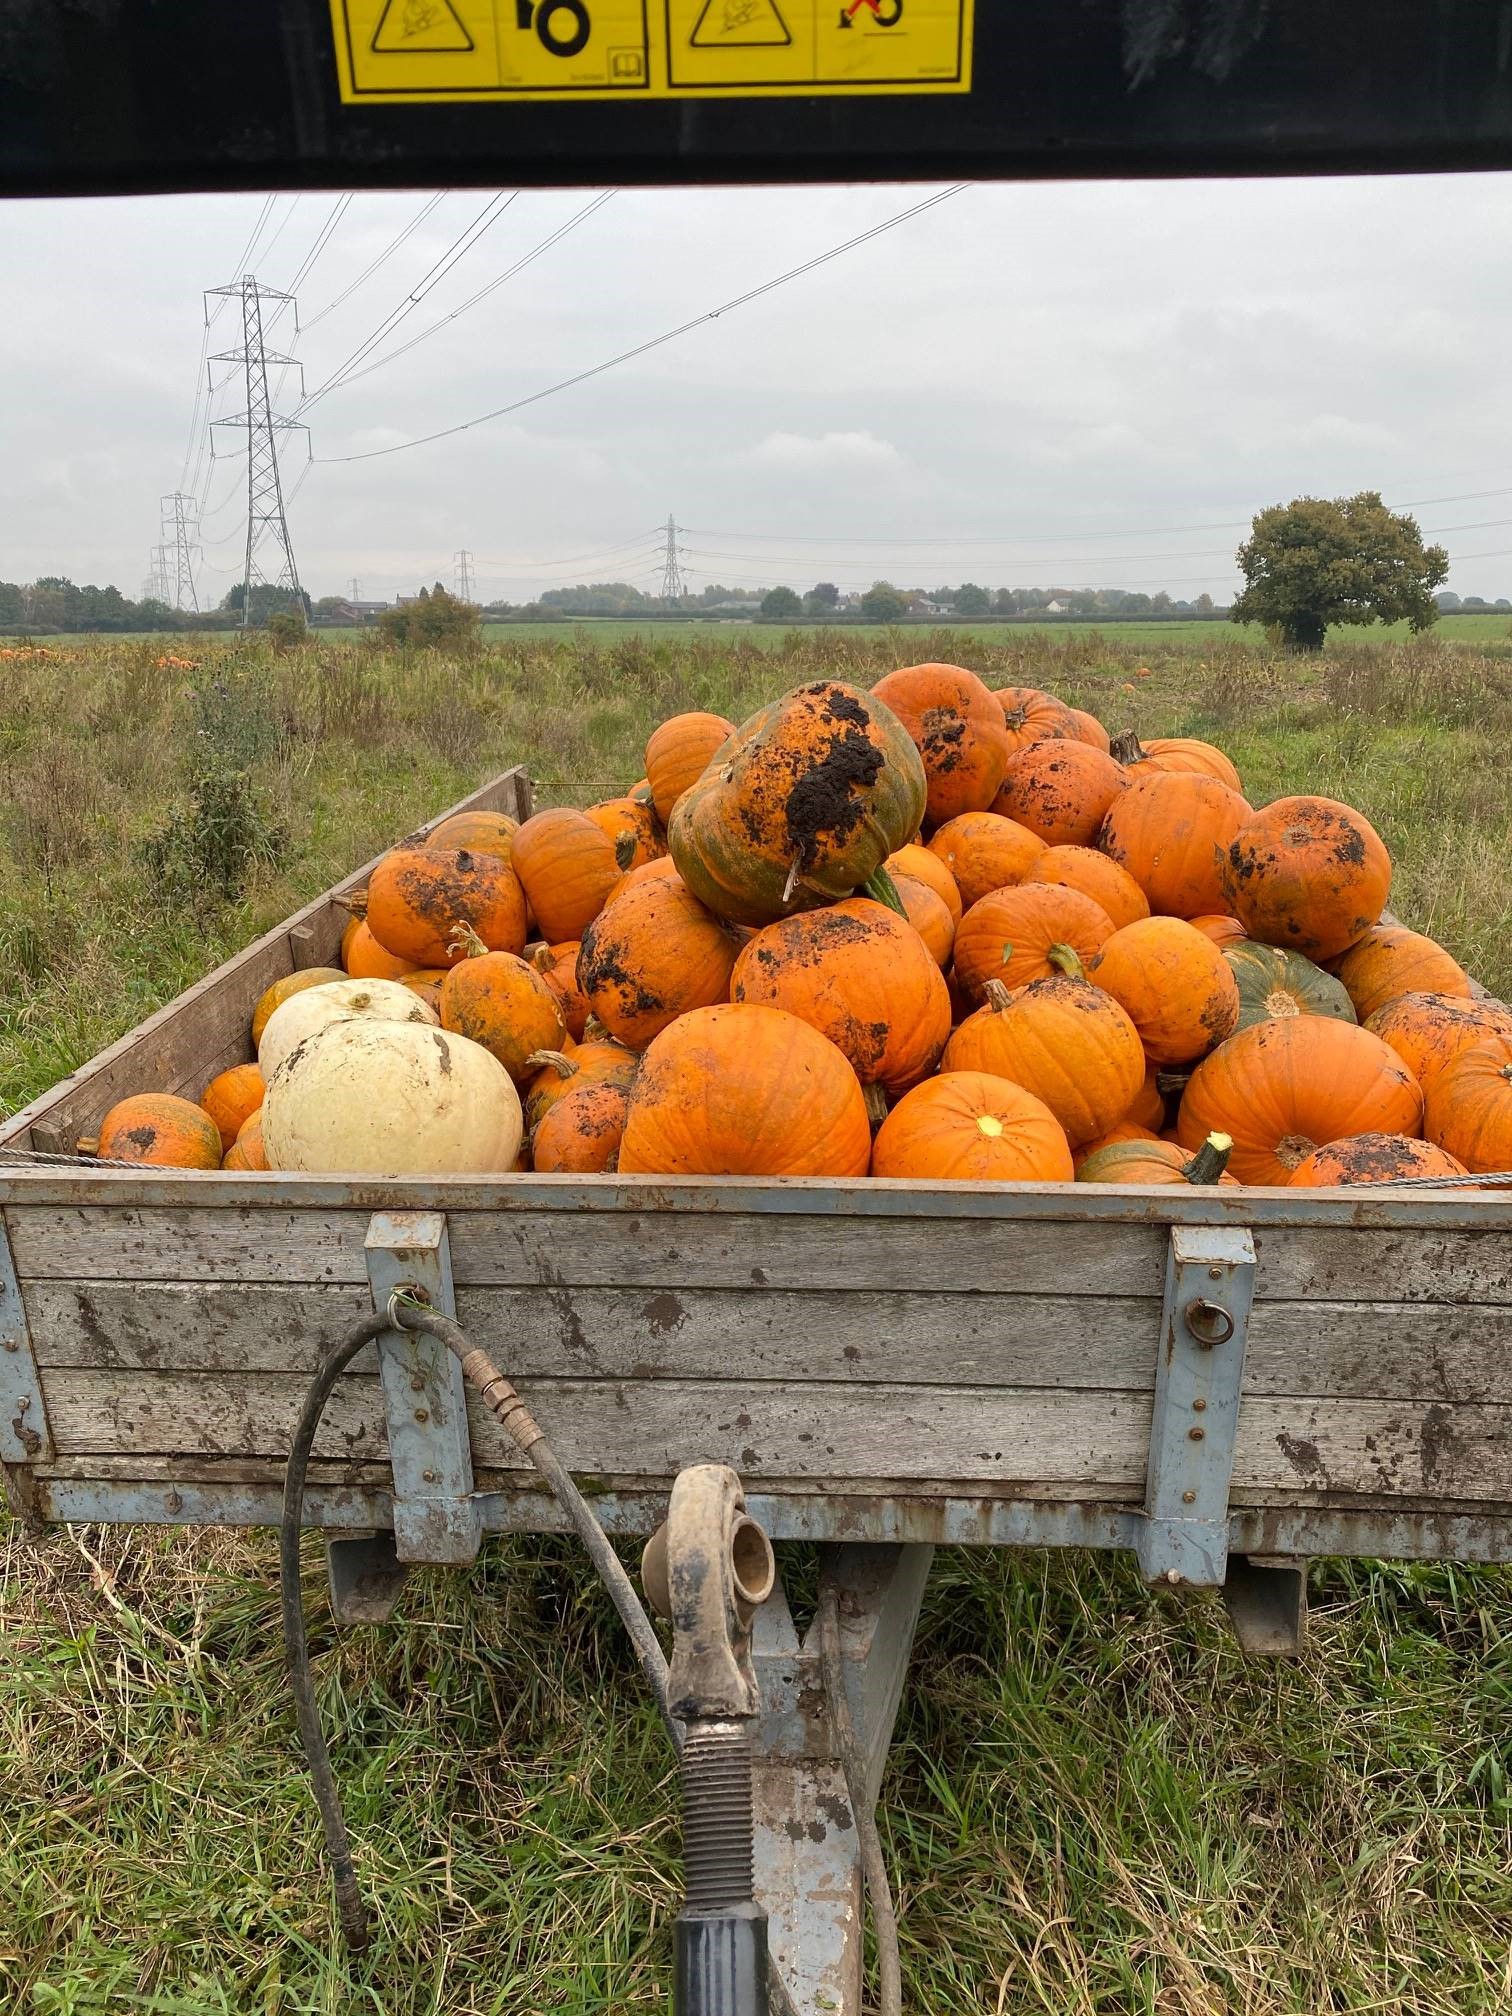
x=436, y=1514
x=25, y=1438
x=366, y=1577
x=1199, y=1376
x=1266, y=1599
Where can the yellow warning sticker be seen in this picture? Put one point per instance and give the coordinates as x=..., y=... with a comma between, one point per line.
x=426, y=51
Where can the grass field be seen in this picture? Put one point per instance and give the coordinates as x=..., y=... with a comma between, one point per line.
x=1094, y=1808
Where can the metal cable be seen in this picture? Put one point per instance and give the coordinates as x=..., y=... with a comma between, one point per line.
x=873, y=1863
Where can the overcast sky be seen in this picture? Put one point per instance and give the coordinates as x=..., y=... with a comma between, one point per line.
x=1072, y=385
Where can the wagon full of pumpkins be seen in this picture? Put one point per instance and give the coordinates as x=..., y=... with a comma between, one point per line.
x=968, y=1126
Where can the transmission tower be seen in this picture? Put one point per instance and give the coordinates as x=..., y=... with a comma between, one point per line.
x=267, y=522
x=464, y=575
x=180, y=528
x=158, y=586
x=672, y=576
x=356, y=588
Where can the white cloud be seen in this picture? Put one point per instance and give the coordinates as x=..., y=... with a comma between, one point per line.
x=813, y=452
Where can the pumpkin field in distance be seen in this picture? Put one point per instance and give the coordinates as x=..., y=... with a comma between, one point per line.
x=925, y=929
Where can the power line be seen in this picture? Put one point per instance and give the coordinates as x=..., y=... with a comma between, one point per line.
x=323, y=238
x=668, y=336
x=387, y=253
x=488, y=216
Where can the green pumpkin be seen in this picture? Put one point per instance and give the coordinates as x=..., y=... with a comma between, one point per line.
x=1274, y=983
x=801, y=806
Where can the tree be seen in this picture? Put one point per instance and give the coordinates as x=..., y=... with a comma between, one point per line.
x=1160, y=603
x=824, y=595
x=970, y=600
x=1319, y=561
x=434, y=619
x=1005, y=603
x=1204, y=604
x=266, y=600
x=882, y=603
x=781, y=603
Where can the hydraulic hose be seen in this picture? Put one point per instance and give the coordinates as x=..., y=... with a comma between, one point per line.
x=873, y=1864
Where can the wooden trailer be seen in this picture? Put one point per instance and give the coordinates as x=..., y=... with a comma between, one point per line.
x=1223, y=1383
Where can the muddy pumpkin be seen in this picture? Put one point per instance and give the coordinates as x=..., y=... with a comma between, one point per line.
x=809, y=798
x=1429, y=1031
x=162, y=1130
x=1169, y=829
x=651, y=955
x=1174, y=984
x=632, y=830
x=677, y=755
x=957, y=727
x=581, y=1134
x=1030, y=716
x=476, y=832
x=506, y=1005
x=557, y=966
x=1469, y=1109
x=1372, y=1158
x=558, y=1072
x=1307, y=873
x=568, y=866
x=1061, y=790
x=420, y=898
x=1390, y=961
x=861, y=976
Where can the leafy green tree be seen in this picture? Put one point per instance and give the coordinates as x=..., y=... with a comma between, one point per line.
x=1319, y=561
x=1204, y=604
x=970, y=600
x=882, y=603
x=824, y=595
x=1161, y=603
x=781, y=603
x=435, y=620
x=1005, y=603
x=266, y=600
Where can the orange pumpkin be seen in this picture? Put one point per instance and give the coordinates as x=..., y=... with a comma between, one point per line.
x=1019, y=935
x=1030, y=716
x=1175, y=985
x=365, y=959
x=568, y=867
x=632, y=831
x=1307, y=873
x=678, y=753
x=158, y=1128
x=419, y=898
x=1169, y=829
x=741, y=1090
x=650, y=956
x=958, y=729
x=291, y=983
x=582, y=1132
x=1390, y=961
x=426, y=982
x=663, y=868
x=1372, y=1158
x=1179, y=754
x=557, y=966
x=1154, y=1161
x=984, y=851
x=968, y=1127
x=1148, y=1107
x=1428, y=1031
x=1112, y=888
x=1067, y=1042
x=558, y=1072
x=231, y=1098
x=247, y=1151
x=1469, y=1111
x=863, y=977
x=1284, y=1088
x=1124, y=1130
x=503, y=1003
x=1087, y=728
x=1222, y=930
x=926, y=911
x=1061, y=790
x=476, y=833
x=807, y=801
x=926, y=866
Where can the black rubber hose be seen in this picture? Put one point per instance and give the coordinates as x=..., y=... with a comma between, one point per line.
x=332, y=1364
x=873, y=1864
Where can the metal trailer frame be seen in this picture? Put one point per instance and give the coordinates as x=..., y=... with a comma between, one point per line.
x=1427, y=1479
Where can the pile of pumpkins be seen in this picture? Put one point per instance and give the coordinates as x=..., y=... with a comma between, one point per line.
x=931, y=932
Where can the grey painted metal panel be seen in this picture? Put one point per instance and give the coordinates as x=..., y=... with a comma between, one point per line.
x=24, y=1434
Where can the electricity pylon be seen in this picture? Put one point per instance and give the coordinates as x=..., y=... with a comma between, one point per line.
x=464, y=577
x=267, y=522
x=158, y=586
x=179, y=523
x=672, y=579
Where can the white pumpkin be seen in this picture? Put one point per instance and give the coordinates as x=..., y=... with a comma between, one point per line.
x=337, y=1001
x=375, y=1098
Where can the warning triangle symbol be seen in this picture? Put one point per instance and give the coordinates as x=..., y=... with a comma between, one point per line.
x=740, y=24
x=408, y=25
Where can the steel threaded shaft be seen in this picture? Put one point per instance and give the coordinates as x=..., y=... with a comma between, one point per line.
x=718, y=1821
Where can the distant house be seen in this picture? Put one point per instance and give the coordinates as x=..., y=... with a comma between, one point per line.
x=1057, y=608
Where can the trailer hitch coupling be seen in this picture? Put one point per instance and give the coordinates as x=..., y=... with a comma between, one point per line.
x=707, y=1570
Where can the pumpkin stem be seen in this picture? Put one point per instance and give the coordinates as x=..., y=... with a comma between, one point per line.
x=1171, y=1084
x=792, y=880
x=553, y=1060
x=87, y=1144
x=355, y=903
x=881, y=888
x=595, y=1031
x=1126, y=748
x=464, y=939
x=876, y=1106
x=1065, y=960
x=624, y=849
x=1211, y=1159
x=998, y=995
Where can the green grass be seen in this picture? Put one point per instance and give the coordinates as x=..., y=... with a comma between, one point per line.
x=1094, y=1807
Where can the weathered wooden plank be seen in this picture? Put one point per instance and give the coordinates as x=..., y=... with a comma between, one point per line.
x=1371, y=1350
x=180, y=1047
x=962, y=1434
x=1348, y=1263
